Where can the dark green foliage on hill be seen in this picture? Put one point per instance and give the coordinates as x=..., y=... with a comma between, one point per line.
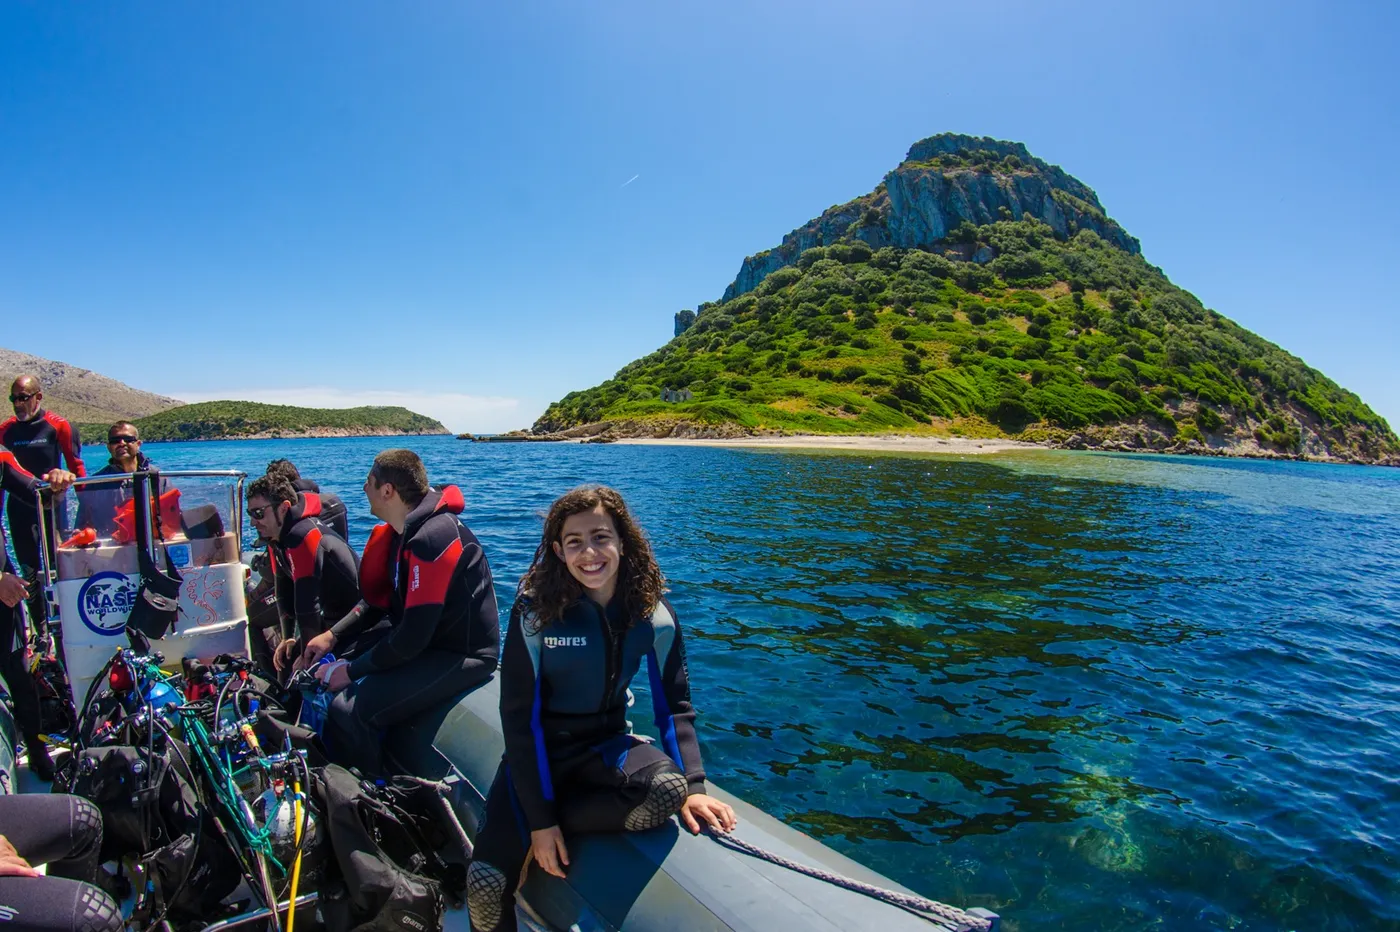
x=214, y=420
x=1051, y=331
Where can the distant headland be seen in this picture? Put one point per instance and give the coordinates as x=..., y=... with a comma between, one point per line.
x=248, y=420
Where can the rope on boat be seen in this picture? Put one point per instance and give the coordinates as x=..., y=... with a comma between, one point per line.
x=959, y=919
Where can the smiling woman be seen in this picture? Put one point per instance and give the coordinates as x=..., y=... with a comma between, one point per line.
x=572, y=764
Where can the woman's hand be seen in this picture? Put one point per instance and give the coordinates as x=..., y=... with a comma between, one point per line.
x=547, y=845
x=11, y=864
x=717, y=815
x=12, y=592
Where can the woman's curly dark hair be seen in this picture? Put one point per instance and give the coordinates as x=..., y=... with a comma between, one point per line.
x=551, y=588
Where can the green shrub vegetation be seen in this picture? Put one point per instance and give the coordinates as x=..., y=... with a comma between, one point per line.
x=215, y=420
x=1053, y=332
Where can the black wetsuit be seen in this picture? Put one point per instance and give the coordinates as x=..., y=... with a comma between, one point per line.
x=65, y=833
x=97, y=506
x=571, y=760
x=434, y=586
x=316, y=574
x=39, y=444
x=332, y=508
x=17, y=483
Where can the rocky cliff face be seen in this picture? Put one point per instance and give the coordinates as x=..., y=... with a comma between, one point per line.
x=946, y=180
x=81, y=395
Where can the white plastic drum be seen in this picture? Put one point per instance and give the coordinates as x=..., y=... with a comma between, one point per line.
x=98, y=587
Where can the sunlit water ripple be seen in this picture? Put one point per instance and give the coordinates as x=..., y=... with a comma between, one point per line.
x=1091, y=692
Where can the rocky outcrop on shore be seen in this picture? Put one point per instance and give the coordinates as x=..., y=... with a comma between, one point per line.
x=1146, y=438
x=1139, y=437
x=640, y=428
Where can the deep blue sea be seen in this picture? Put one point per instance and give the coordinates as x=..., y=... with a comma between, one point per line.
x=1091, y=692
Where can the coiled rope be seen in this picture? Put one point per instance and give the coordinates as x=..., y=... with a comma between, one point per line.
x=948, y=916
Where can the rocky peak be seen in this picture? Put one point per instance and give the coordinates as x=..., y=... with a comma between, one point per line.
x=946, y=180
x=957, y=144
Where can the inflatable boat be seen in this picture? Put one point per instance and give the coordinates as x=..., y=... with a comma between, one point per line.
x=765, y=876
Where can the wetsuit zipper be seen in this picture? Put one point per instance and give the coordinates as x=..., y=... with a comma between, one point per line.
x=609, y=667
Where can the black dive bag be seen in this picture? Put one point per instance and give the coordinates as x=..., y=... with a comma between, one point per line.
x=150, y=809
x=157, y=603
x=386, y=841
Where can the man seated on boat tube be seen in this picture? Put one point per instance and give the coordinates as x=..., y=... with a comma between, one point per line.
x=97, y=506
x=424, y=570
x=315, y=573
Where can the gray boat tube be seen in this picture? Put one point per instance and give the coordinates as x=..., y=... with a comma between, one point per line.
x=663, y=880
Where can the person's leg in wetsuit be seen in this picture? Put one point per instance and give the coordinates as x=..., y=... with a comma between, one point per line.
x=64, y=832
x=23, y=692
x=624, y=784
x=361, y=713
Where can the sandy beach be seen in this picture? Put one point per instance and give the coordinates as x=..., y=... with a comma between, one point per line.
x=892, y=443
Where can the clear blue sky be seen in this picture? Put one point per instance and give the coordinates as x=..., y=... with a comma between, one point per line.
x=429, y=201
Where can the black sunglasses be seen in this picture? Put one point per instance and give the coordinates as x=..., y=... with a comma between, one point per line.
x=122, y=438
x=16, y=399
x=257, y=513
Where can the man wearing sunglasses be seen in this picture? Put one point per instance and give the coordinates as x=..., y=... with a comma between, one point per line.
x=40, y=441
x=316, y=574
x=97, y=506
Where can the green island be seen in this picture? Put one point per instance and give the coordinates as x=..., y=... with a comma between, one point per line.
x=979, y=292
x=248, y=420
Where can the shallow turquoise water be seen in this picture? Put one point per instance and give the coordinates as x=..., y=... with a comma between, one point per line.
x=1091, y=692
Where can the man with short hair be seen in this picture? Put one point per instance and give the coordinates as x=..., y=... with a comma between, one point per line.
x=332, y=508
x=315, y=572
x=427, y=572
x=14, y=589
x=40, y=441
x=97, y=506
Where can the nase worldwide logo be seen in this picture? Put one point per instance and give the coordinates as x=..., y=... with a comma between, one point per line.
x=105, y=601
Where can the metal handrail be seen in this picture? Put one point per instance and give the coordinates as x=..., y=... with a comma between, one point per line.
x=49, y=573
x=258, y=915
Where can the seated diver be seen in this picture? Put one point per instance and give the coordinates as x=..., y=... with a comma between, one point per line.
x=65, y=833
x=315, y=573
x=589, y=610
x=332, y=508
x=427, y=573
x=97, y=506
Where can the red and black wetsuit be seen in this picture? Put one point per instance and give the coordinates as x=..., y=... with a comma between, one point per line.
x=435, y=587
x=17, y=483
x=315, y=572
x=332, y=507
x=42, y=443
